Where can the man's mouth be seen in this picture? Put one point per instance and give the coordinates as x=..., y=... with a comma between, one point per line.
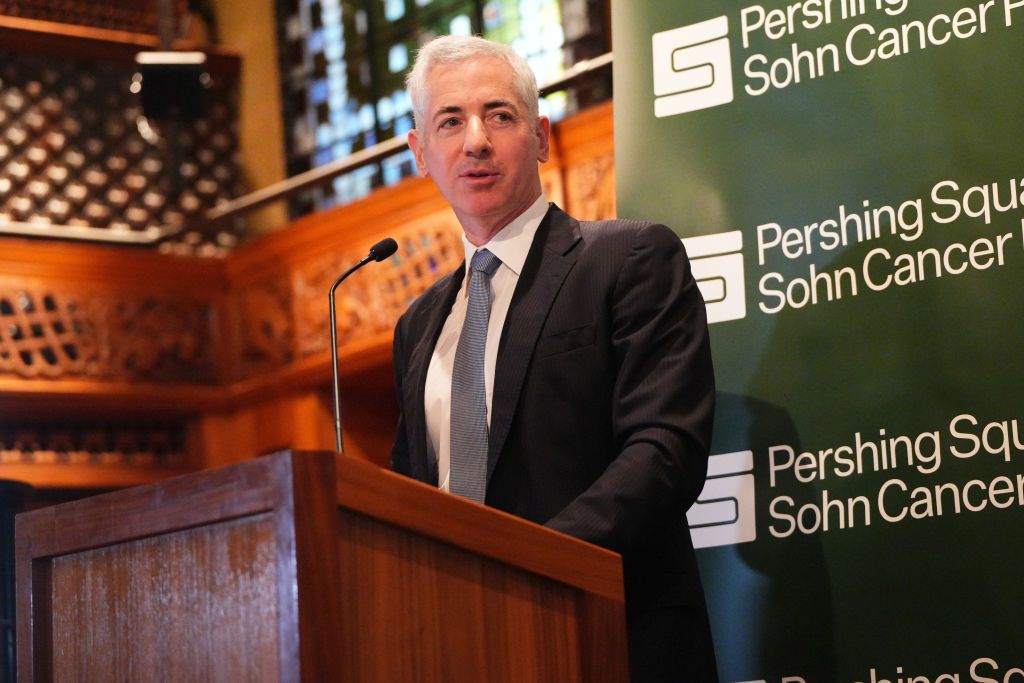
x=478, y=173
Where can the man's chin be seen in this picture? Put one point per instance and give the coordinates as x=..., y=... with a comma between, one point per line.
x=483, y=217
x=482, y=206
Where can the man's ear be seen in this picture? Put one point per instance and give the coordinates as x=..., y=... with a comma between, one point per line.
x=416, y=145
x=543, y=138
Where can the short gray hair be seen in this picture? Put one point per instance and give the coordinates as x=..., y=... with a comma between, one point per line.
x=446, y=50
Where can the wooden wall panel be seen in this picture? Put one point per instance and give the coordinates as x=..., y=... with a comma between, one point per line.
x=511, y=613
x=157, y=593
x=301, y=420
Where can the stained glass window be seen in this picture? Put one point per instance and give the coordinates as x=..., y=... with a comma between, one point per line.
x=344, y=65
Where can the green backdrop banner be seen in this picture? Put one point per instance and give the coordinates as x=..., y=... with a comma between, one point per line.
x=848, y=177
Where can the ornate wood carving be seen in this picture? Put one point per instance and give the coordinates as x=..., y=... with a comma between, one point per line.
x=125, y=15
x=161, y=340
x=427, y=251
x=312, y=283
x=368, y=304
x=160, y=444
x=48, y=333
x=44, y=335
x=266, y=326
x=592, y=188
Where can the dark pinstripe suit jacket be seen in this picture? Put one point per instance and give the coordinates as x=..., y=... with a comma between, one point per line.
x=603, y=400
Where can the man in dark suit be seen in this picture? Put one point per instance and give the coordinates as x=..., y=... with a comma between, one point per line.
x=579, y=394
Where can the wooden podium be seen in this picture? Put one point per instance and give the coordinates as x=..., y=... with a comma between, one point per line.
x=309, y=567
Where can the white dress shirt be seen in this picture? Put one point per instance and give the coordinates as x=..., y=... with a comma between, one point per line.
x=511, y=245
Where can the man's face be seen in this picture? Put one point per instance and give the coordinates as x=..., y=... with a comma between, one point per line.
x=479, y=144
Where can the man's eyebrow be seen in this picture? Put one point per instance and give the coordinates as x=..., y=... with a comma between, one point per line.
x=450, y=109
x=488, y=106
x=499, y=104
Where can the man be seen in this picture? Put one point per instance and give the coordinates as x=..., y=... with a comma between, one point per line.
x=568, y=380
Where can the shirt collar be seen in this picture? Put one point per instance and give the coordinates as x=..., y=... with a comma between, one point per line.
x=512, y=243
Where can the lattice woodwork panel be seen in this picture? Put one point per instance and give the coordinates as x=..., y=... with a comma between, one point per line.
x=312, y=319
x=80, y=443
x=46, y=336
x=138, y=16
x=71, y=152
x=370, y=302
x=283, y=321
x=426, y=252
x=51, y=334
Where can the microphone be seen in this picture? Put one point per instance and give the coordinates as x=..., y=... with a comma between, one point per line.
x=378, y=252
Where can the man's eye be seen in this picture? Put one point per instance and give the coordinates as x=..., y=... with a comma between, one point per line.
x=449, y=123
x=503, y=116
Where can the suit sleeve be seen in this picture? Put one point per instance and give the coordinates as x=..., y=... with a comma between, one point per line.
x=400, y=459
x=663, y=402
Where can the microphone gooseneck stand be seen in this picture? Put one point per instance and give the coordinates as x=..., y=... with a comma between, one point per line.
x=378, y=252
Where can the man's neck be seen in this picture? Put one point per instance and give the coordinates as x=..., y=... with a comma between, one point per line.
x=480, y=231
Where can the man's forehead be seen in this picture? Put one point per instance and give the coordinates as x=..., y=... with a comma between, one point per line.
x=447, y=84
x=489, y=63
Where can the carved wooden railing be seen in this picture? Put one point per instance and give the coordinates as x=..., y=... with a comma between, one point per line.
x=225, y=359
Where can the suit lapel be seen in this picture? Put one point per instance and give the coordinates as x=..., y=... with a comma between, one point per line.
x=430, y=318
x=551, y=258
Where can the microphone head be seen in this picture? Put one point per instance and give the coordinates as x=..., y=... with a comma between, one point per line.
x=383, y=249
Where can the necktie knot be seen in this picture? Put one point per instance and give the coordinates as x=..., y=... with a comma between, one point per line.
x=485, y=262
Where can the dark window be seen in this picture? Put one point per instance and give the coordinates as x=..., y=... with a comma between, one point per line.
x=344, y=64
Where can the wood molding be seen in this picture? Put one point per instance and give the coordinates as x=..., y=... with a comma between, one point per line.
x=85, y=398
x=90, y=43
x=109, y=267
x=372, y=491
x=67, y=476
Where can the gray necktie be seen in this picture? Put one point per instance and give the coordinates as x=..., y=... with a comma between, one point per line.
x=468, y=468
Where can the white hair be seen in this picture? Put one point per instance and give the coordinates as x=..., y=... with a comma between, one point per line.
x=447, y=50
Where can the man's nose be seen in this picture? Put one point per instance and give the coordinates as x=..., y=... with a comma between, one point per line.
x=476, y=142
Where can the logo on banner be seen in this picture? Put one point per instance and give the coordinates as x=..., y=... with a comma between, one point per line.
x=724, y=511
x=717, y=263
x=692, y=67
